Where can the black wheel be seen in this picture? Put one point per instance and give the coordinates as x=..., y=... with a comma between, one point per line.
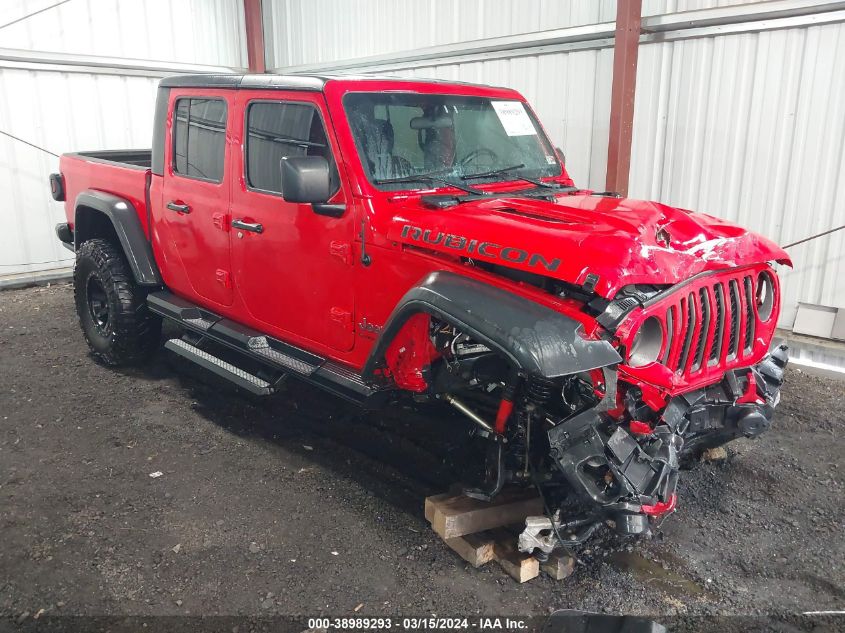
x=112, y=309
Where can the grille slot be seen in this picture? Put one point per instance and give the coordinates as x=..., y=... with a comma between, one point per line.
x=698, y=354
x=689, y=325
x=733, y=291
x=716, y=348
x=670, y=334
x=711, y=324
x=750, y=321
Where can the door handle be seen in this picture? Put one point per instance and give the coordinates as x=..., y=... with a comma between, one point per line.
x=179, y=208
x=253, y=227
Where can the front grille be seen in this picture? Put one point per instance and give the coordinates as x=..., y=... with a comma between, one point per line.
x=710, y=324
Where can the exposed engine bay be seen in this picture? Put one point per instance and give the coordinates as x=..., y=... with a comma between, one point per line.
x=590, y=444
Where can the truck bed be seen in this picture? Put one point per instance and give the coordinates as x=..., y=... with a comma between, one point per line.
x=122, y=172
x=128, y=157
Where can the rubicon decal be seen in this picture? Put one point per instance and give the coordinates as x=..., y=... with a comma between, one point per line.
x=485, y=249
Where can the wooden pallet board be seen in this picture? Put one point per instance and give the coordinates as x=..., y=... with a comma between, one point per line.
x=521, y=567
x=478, y=532
x=559, y=565
x=476, y=549
x=453, y=515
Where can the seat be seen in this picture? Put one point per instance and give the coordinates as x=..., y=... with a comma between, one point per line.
x=379, y=141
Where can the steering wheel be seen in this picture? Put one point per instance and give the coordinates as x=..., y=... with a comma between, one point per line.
x=482, y=158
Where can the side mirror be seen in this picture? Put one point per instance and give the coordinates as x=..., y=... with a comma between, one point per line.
x=306, y=179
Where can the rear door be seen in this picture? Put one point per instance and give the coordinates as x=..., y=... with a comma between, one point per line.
x=192, y=220
x=295, y=275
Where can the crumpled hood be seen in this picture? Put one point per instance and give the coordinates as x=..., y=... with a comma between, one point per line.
x=605, y=243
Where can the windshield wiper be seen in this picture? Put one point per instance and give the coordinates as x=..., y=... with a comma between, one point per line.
x=433, y=177
x=492, y=172
x=505, y=170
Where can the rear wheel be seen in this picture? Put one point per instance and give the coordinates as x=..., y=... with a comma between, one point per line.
x=112, y=308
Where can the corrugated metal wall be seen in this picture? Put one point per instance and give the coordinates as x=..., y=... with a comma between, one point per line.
x=745, y=126
x=328, y=30
x=312, y=31
x=59, y=112
x=73, y=110
x=189, y=31
x=751, y=127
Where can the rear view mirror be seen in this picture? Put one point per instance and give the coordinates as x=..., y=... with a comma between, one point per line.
x=306, y=179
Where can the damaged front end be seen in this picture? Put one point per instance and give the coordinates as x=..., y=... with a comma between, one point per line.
x=626, y=470
x=600, y=423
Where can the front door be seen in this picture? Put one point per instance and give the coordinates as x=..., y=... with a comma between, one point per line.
x=191, y=219
x=292, y=266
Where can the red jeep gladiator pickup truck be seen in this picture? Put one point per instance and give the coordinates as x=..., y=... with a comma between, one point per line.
x=385, y=238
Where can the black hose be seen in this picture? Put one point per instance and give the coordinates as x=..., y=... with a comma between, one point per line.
x=583, y=536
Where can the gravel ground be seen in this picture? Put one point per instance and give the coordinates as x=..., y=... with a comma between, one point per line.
x=302, y=505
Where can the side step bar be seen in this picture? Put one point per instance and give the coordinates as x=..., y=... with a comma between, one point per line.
x=263, y=348
x=272, y=353
x=236, y=375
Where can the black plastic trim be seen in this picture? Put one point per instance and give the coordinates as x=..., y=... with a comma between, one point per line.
x=267, y=81
x=65, y=235
x=159, y=130
x=327, y=375
x=329, y=210
x=305, y=82
x=535, y=338
x=127, y=226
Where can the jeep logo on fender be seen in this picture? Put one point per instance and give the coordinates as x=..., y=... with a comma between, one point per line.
x=485, y=249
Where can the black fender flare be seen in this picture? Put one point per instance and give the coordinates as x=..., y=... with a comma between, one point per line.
x=127, y=226
x=535, y=338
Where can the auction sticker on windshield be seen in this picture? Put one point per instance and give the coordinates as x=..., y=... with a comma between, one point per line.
x=514, y=118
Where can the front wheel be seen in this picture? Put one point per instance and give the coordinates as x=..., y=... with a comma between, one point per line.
x=112, y=308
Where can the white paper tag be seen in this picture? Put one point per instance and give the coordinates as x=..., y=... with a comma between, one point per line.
x=514, y=118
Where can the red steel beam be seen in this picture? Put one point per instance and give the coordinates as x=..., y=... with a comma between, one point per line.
x=625, y=48
x=254, y=19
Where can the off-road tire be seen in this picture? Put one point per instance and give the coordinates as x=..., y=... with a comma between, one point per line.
x=112, y=308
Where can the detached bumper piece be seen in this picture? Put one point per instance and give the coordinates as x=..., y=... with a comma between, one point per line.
x=741, y=405
x=626, y=477
x=627, y=469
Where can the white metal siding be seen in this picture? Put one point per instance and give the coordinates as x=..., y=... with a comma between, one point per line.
x=751, y=128
x=314, y=31
x=190, y=31
x=73, y=111
x=656, y=7
x=311, y=31
x=61, y=112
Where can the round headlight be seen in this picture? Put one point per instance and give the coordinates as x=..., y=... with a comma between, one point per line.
x=647, y=343
x=765, y=295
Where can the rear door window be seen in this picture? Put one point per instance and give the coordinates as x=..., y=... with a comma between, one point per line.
x=199, y=138
x=279, y=129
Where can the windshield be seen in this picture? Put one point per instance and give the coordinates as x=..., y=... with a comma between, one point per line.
x=402, y=135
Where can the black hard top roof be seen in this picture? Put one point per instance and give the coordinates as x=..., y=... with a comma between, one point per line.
x=313, y=83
